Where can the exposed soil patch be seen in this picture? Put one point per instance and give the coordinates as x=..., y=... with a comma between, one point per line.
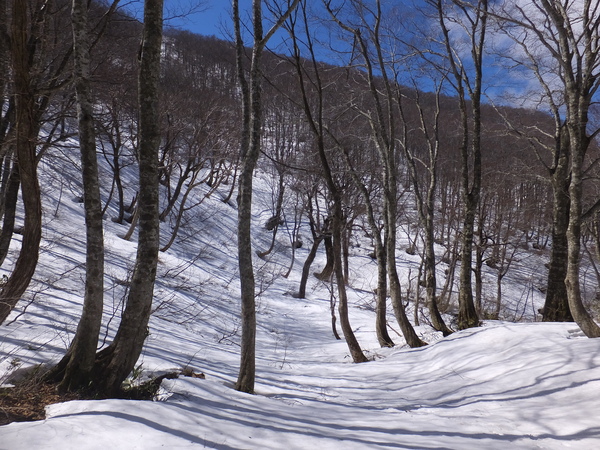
x=26, y=401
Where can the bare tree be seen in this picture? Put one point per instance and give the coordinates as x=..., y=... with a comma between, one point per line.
x=382, y=121
x=116, y=361
x=251, y=89
x=466, y=71
x=40, y=50
x=78, y=363
x=425, y=199
x=313, y=101
x=26, y=133
x=563, y=39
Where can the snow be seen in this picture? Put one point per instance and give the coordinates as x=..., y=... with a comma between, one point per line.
x=503, y=385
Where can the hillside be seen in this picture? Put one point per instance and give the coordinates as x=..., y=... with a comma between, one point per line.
x=523, y=385
x=427, y=177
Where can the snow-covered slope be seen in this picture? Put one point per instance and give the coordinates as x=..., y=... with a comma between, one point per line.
x=526, y=385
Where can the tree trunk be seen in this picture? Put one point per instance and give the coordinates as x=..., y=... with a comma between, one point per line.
x=467, y=314
x=411, y=337
x=250, y=151
x=431, y=284
x=116, y=361
x=26, y=133
x=353, y=345
x=572, y=283
x=325, y=274
x=306, y=267
x=11, y=198
x=82, y=352
x=556, y=306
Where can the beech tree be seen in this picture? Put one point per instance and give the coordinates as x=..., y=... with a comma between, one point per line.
x=383, y=121
x=251, y=90
x=39, y=49
x=78, y=363
x=465, y=67
x=425, y=198
x=25, y=142
x=312, y=98
x=561, y=40
x=116, y=361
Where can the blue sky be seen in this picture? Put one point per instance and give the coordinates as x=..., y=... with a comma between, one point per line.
x=212, y=19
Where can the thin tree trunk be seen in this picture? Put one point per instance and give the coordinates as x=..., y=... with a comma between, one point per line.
x=306, y=267
x=250, y=148
x=250, y=151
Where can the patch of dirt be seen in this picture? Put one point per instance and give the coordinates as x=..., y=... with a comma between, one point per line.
x=27, y=401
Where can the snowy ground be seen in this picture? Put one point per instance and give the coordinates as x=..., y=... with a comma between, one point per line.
x=504, y=385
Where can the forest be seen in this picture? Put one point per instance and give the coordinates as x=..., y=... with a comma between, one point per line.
x=462, y=134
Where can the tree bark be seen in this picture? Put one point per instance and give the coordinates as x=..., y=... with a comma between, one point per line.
x=556, y=306
x=11, y=197
x=470, y=147
x=116, y=361
x=80, y=357
x=250, y=151
x=26, y=133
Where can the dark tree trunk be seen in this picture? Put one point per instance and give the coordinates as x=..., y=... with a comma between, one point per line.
x=250, y=151
x=11, y=197
x=26, y=133
x=81, y=355
x=306, y=267
x=556, y=306
x=116, y=361
x=325, y=274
